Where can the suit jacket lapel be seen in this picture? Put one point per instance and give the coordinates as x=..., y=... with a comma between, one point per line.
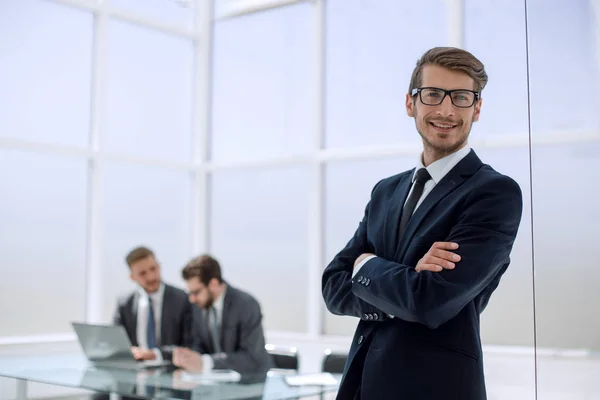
x=202, y=330
x=227, y=302
x=164, y=317
x=453, y=179
x=392, y=221
x=134, y=313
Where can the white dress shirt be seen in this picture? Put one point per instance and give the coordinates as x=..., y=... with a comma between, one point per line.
x=142, y=317
x=207, y=360
x=437, y=170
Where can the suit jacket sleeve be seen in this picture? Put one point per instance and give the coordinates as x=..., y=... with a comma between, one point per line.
x=251, y=355
x=485, y=232
x=336, y=283
x=183, y=336
x=186, y=326
x=117, y=319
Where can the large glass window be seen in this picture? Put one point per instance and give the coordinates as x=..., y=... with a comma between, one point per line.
x=372, y=48
x=149, y=93
x=263, y=102
x=258, y=232
x=45, y=72
x=504, y=112
x=42, y=242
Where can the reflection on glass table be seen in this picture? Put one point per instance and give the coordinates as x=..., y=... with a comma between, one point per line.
x=73, y=370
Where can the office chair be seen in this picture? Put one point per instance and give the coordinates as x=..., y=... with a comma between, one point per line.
x=284, y=359
x=334, y=362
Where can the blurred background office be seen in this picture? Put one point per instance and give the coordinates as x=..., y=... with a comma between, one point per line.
x=255, y=130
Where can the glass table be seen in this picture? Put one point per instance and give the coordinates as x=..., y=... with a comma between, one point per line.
x=74, y=371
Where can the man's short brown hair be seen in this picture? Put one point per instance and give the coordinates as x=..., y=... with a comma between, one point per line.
x=451, y=58
x=137, y=254
x=203, y=267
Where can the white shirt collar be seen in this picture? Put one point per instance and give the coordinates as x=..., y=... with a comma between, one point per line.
x=441, y=167
x=156, y=295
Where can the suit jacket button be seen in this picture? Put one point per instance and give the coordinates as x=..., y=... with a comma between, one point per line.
x=360, y=339
x=375, y=316
x=367, y=281
x=366, y=316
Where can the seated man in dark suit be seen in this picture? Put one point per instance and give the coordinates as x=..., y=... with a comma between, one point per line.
x=228, y=332
x=156, y=316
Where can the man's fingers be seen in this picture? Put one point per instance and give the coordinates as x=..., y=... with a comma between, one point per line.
x=445, y=255
x=439, y=261
x=439, y=258
x=445, y=245
x=428, y=267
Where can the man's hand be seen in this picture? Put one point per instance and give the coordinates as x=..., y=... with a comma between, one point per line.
x=362, y=257
x=143, y=354
x=187, y=359
x=438, y=257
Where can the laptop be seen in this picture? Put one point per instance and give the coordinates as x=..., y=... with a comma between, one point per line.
x=109, y=346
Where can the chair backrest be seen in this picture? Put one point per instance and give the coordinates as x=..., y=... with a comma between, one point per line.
x=334, y=362
x=284, y=359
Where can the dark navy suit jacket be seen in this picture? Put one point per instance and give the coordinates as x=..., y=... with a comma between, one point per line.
x=242, y=338
x=176, y=320
x=431, y=349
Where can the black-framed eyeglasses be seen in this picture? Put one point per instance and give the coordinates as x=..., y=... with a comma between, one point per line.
x=432, y=96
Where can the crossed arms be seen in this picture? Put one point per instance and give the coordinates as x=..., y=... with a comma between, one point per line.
x=485, y=232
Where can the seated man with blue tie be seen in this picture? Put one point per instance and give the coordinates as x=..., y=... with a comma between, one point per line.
x=156, y=316
x=228, y=332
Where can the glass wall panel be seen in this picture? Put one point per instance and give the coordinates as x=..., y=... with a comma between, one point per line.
x=504, y=114
x=565, y=78
x=507, y=324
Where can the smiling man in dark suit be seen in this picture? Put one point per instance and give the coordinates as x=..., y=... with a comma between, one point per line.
x=430, y=250
x=156, y=316
x=228, y=331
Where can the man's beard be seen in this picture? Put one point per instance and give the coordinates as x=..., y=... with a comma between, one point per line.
x=446, y=148
x=210, y=301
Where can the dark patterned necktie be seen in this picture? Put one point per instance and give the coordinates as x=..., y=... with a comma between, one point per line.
x=213, y=329
x=151, y=327
x=417, y=190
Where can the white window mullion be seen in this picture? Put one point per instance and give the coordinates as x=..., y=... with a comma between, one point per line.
x=237, y=8
x=201, y=134
x=94, y=277
x=314, y=309
x=455, y=23
x=596, y=11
